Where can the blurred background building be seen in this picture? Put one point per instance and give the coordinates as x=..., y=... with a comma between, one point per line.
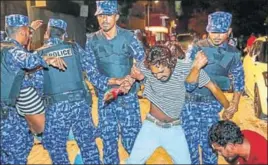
x=155, y=19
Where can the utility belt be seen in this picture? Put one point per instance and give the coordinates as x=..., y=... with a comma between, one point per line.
x=71, y=96
x=159, y=123
x=199, y=98
x=4, y=111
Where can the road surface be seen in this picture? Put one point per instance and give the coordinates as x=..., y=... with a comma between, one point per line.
x=244, y=118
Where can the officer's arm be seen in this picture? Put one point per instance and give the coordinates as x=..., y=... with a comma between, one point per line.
x=27, y=60
x=137, y=50
x=192, y=52
x=88, y=49
x=99, y=80
x=237, y=73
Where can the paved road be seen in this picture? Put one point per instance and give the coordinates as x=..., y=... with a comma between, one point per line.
x=244, y=118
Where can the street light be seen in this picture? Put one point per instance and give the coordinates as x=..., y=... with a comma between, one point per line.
x=148, y=12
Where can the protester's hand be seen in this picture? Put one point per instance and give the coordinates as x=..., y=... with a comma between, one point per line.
x=111, y=94
x=126, y=85
x=200, y=60
x=230, y=111
x=227, y=115
x=136, y=73
x=36, y=24
x=233, y=107
x=56, y=62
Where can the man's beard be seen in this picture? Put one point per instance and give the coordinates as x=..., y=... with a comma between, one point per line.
x=232, y=160
x=106, y=27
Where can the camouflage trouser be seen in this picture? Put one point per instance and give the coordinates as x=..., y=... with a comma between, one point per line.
x=121, y=115
x=16, y=139
x=197, y=118
x=60, y=118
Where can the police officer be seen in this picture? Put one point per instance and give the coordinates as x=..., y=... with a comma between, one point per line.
x=201, y=108
x=67, y=100
x=2, y=35
x=16, y=141
x=115, y=48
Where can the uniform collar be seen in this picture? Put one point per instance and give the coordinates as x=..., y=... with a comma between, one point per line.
x=223, y=46
x=13, y=41
x=53, y=41
x=100, y=35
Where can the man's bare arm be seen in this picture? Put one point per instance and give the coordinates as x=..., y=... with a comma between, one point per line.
x=217, y=92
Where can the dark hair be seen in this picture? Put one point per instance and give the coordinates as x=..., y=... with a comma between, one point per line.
x=56, y=32
x=224, y=132
x=160, y=54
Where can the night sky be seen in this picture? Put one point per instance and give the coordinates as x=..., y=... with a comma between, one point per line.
x=248, y=15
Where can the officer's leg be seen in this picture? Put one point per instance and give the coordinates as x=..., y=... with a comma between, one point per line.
x=191, y=119
x=83, y=129
x=128, y=113
x=57, y=127
x=209, y=117
x=16, y=141
x=108, y=127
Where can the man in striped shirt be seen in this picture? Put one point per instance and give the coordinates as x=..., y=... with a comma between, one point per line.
x=164, y=78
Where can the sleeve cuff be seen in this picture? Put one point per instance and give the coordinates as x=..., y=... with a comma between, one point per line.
x=200, y=85
x=190, y=86
x=43, y=63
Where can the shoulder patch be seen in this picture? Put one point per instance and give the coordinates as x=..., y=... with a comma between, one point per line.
x=6, y=45
x=90, y=36
x=128, y=34
x=233, y=49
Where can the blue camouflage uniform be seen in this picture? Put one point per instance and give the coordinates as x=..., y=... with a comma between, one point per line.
x=16, y=140
x=114, y=58
x=68, y=102
x=201, y=107
x=2, y=35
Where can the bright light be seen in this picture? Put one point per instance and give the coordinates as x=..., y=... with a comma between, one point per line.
x=160, y=29
x=156, y=1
